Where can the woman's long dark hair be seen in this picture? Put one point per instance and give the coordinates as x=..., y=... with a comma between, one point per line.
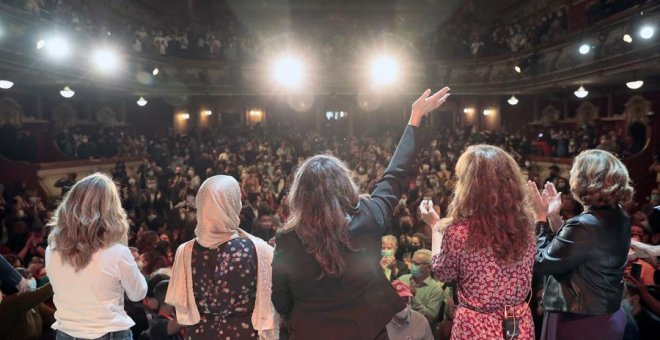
x=322, y=198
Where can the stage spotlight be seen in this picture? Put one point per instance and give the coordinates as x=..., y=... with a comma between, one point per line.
x=106, y=60
x=634, y=85
x=288, y=72
x=627, y=38
x=581, y=92
x=208, y=112
x=57, y=47
x=41, y=43
x=6, y=84
x=517, y=69
x=155, y=71
x=185, y=116
x=67, y=92
x=647, y=32
x=488, y=112
x=384, y=71
x=513, y=100
x=584, y=49
x=142, y=101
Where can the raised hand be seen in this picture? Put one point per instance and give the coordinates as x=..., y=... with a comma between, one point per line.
x=553, y=198
x=429, y=216
x=427, y=103
x=539, y=202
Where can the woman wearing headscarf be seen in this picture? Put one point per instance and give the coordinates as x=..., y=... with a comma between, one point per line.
x=221, y=280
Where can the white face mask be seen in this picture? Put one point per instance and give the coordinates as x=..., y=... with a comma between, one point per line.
x=32, y=284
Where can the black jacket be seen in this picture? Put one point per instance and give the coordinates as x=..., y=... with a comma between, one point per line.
x=358, y=304
x=584, y=262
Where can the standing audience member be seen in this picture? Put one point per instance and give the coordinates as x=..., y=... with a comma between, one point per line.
x=584, y=257
x=89, y=265
x=326, y=276
x=487, y=249
x=221, y=280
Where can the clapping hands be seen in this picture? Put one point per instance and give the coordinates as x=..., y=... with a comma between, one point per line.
x=546, y=204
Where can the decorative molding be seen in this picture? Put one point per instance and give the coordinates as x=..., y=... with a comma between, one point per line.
x=637, y=110
x=586, y=112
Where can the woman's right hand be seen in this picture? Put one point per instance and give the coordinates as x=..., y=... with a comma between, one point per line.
x=539, y=202
x=426, y=103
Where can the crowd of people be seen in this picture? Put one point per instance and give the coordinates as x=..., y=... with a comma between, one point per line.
x=465, y=31
x=568, y=143
x=159, y=199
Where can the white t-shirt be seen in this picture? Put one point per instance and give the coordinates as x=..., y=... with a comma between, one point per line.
x=90, y=302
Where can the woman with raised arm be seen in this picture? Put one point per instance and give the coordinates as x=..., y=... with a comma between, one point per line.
x=487, y=246
x=89, y=265
x=326, y=272
x=584, y=257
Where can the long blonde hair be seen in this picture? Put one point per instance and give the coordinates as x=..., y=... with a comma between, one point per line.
x=89, y=218
x=490, y=197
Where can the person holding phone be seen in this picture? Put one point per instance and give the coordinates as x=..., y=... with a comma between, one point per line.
x=584, y=258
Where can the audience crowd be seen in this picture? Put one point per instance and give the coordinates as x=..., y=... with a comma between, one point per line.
x=465, y=31
x=159, y=198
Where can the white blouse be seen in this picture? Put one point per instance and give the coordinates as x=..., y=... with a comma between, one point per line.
x=90, y=302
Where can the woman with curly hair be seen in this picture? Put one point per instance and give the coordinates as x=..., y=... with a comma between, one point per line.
x=487, y=246
x=584, y=257
x=89, y=265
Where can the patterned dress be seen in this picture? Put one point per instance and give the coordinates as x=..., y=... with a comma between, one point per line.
x=484, y=287
x=225, y=287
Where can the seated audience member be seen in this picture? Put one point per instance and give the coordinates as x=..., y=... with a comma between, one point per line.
x=263, y=227
x=23, y=315
x=408, y=324
x=163, y=326
x=392, y=268
x=644, y=308
x=428, y=293
x=150, y=302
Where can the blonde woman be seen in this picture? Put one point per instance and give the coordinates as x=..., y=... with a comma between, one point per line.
x=89, y=265
x=487, y=249
x=584, y=258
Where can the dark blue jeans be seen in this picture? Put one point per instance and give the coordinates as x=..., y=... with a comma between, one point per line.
x=119, y=335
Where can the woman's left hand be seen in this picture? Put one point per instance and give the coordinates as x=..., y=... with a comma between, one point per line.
x=429, y=216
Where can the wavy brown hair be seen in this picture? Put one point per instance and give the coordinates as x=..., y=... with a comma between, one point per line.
x=322, y=198
x=599, y=178
x=89, y=218
x=491, y=198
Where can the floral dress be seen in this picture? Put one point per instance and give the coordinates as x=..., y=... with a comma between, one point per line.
x=485, y=286
x=225, y=287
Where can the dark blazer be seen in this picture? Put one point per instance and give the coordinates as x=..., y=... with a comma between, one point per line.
x=358, y=304
x=584, y=262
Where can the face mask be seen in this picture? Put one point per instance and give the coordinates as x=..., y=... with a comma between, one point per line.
x=131, y=181
x=183, y=216
x=527, y=164
x=33, y=200
x=32, y=284
x=387, y=252
x=561, y=186
x=406, y=225
x=20, y=214
x=151, y=217
x=443, y=166
x=415, y=271
x=655, y=197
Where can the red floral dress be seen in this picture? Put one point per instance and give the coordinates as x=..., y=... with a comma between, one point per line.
x=484, y=287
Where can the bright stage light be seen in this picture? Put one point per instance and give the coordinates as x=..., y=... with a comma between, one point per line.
x=142, y=101
x=513, y=100
x=67, y=92
x=581, y=92
x=207, y=112
x=517, y=69
x=634, y=85
x=288, y=72
x=384, y=71
x=155, y=71
x=185, y=116
x=584, y=49
x=627, y=38
x=56, y=47
x=106, y=60
x=488, y=112
x=6, y=84
x=40, y=44
x=647, y=32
